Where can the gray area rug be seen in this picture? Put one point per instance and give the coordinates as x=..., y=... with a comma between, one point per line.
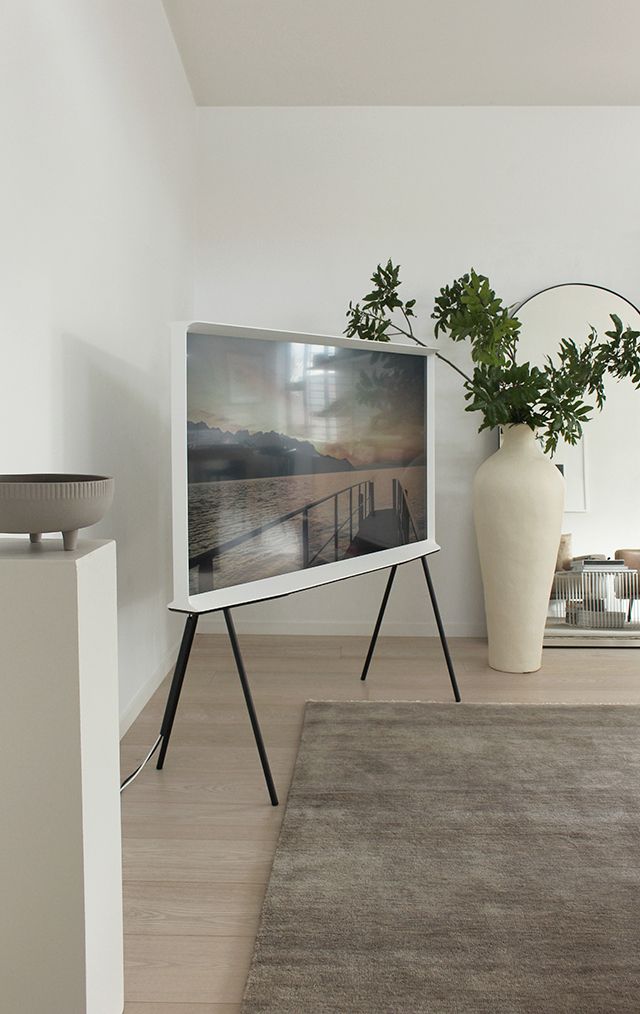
x=467, y=858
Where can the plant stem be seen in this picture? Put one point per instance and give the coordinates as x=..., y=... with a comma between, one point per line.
x=453, y=366
x=410, y=334
x=409, y=326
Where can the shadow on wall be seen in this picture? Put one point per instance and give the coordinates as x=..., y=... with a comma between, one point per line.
x=115, y=420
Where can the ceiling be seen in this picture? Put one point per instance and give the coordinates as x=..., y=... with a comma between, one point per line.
x=409, y=52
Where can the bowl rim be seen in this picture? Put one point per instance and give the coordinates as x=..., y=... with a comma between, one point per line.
x=50, y=478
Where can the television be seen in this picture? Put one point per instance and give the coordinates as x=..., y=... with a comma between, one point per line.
x=297, y=460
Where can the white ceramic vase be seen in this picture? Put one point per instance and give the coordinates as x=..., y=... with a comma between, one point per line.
x=518, y=502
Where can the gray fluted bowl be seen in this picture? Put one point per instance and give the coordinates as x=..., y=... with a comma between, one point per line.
x=33, y=504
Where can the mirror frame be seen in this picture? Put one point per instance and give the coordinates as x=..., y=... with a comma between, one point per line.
x=592, y=638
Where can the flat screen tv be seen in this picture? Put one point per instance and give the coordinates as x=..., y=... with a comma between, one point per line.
x=298, y=460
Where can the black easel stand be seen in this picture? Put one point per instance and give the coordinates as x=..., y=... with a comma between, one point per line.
x=183, y=660
x=436, y=613
x=176, y=685
x=264, y=760
x=176, y=688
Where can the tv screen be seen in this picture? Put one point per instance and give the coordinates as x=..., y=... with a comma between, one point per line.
x=298, y=460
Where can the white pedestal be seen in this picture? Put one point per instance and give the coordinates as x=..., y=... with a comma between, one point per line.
x=60, y=854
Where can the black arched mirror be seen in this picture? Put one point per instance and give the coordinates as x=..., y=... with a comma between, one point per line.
x=602, y=473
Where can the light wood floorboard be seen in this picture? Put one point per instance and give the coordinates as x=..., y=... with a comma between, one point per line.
x=199, y=837
x=189, y=969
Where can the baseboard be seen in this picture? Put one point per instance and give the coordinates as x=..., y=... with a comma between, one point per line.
x=147, y=690
x=326, y=627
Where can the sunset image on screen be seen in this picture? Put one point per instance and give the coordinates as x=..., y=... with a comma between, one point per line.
x=299, y=455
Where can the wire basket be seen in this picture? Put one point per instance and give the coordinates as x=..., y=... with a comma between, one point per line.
x=602, y=599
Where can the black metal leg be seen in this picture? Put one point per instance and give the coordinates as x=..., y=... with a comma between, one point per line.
x=264, y=760
x=376, y=629
x=176, y=685
x=443, y=638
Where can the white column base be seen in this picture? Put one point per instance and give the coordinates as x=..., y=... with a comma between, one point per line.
x=60, y=852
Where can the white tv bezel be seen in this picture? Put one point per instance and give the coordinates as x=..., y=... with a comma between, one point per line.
x=293, y=581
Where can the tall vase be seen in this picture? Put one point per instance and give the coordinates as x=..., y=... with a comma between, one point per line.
x=518, y=502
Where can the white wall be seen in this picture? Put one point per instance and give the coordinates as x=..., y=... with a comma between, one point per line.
x=97, y=126
x=296, y=207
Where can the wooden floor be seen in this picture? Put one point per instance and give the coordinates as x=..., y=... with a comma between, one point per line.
x=199, y=836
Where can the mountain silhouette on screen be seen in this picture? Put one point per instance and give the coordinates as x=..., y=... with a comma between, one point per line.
x=215, y=454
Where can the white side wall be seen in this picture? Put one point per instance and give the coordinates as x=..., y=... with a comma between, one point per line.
x=97, y=126
x=296, y=207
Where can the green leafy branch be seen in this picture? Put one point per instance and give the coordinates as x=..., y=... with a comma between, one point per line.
x=550, y=399
x=374, y=321
x=469, y=310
